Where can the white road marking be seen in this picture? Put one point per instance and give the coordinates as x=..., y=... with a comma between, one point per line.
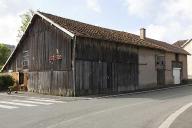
x=32, y=102
x=27, y=102
x=167, y=123
x=7, y=107
x=52, y=101
x=13, y=95
x=19, y=104
x=20, y=96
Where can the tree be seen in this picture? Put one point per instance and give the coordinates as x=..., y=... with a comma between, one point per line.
x=25, y=20
x=4, y=54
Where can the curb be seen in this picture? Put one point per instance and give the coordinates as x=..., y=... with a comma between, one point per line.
x=140, y=92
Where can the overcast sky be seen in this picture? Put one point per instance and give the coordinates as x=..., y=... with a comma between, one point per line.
x=167, y=20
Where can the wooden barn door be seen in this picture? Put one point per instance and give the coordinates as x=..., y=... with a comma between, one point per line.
x=111, y=86
x=105, y=78
x=126, y=75
x=95, y=78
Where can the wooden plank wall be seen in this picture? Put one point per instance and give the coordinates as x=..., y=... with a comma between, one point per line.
x=43, y=40
x=105, y=67
x=51, y=82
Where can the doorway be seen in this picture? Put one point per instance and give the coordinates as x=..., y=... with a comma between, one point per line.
x=160, y=77
x=177, y=75
x=21, y=78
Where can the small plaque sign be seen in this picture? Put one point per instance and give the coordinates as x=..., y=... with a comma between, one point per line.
x=55, y=58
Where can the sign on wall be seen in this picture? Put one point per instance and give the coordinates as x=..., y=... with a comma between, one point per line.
x=55, y=58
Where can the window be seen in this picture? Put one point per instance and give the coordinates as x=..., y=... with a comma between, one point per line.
x=160, y=61
x=25, y=59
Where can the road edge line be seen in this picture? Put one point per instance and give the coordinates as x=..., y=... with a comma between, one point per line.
x=167, y=123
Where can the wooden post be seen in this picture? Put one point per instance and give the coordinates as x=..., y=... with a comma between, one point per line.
x=73, y=64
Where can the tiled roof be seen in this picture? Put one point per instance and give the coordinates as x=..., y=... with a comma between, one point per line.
x=91, y=31
x=180, y=43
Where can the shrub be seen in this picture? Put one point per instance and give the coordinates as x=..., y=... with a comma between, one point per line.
x=5, y=82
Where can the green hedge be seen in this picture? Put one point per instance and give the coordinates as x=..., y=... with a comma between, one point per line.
x=5, y=82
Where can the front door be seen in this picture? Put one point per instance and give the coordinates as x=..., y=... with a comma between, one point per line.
x=160, y=77
x=177, y=75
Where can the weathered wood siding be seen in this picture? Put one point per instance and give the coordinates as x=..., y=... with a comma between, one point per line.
x=51, y=82
x=43, y=40
x=105, y=67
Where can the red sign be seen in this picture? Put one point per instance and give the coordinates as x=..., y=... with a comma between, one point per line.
x=55, y=58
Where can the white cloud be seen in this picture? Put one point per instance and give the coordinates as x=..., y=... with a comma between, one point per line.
x=9, y=26
x=10, y=19
x=3, y=5
x=178, y=7
x=140, y=8
x=168, y=20
x=93, y=5
x=156, y=31
x=170, y=32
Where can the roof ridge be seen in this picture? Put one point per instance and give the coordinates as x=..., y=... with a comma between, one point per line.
x=100, y=26
x=82, y=22
x=83, y=29
x=186, y=42
x=180, y=43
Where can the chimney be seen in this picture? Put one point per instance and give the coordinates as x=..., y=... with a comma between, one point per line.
x=142, y=33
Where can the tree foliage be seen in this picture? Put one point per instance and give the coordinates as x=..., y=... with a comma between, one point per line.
x=4, y=54
x=25, y=20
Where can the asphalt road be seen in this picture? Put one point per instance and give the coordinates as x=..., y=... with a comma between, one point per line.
x=146, y=110
x=184, y=120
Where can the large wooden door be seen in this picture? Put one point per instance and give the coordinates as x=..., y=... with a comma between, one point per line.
x=102, y=77
x=92, y=77
x=111, y=78
x=126, y=75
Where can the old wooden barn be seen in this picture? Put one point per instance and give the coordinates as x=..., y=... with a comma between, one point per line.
x=60, y=56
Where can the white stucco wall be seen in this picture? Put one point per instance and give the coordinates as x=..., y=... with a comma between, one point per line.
x=147, y=70
x=188, y=48
x=147, y=67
